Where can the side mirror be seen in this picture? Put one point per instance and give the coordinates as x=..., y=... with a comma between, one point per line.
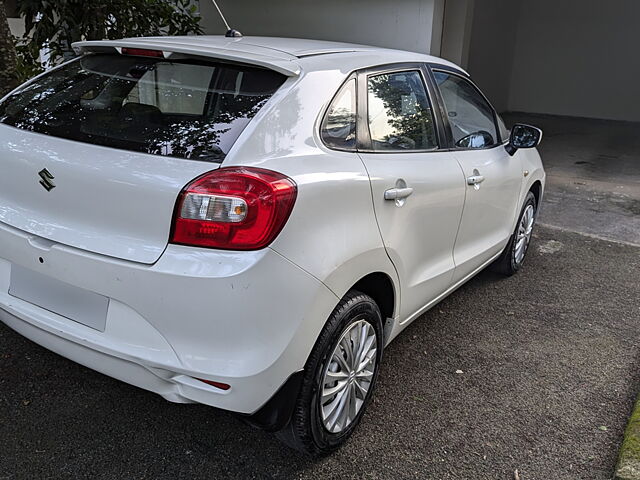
x=523, y=136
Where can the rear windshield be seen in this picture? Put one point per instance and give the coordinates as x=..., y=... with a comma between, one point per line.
x=186, y=109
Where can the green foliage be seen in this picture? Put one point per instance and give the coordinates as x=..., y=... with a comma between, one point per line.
x=27, y=66
x=57, y=24
x=8, y=77
x=629, y=461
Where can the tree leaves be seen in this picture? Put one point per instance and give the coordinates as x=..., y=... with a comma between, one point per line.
x=57, y=24
x=8, y=62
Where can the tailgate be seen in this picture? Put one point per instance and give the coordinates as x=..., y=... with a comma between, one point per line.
x=107, y=201
x=95, y=153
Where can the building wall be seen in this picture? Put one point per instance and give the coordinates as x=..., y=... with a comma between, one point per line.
x=457, y=23
x=578, y=58
x=16, y=25
x=492, y=48
x=543, y=56
x=403, y=24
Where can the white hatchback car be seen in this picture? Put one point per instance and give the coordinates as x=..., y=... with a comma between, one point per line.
x=247, y=222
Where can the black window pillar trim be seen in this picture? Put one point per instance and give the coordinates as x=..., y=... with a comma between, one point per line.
x=440, y=111
x=444, y=133
x=362, y=124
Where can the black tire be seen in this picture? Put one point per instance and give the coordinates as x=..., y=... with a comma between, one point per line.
x=305, y=431
x=507, y=263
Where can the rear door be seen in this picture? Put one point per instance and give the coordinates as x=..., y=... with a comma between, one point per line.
x=493, y=178
x=94, y=154
x=418, y=188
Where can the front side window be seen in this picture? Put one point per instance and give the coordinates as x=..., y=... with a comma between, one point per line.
x=470, y=116
x=339, y=125
x=400, y=115
x=192, y=110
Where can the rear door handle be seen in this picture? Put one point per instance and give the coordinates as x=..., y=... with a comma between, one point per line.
x=397, y=193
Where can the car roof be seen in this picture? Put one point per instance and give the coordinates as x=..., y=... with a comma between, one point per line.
x=286, y=47
x=289, y=56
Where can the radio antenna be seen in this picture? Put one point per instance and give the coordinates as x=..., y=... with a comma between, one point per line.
x=231, y=32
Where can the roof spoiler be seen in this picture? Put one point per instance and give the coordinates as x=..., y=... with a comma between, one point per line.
x=288, y=68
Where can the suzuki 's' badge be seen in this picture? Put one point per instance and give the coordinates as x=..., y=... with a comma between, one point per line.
x=47, y=179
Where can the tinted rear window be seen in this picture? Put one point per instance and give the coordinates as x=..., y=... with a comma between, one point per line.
x=185, y=109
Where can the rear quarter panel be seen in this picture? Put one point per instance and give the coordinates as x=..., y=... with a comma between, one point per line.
x=332, y=232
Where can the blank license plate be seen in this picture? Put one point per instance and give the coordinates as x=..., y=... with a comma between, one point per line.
x=77, y=304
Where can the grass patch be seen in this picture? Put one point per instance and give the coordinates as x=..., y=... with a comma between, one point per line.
x=629, y=461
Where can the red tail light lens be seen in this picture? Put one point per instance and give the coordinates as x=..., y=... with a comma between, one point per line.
x=233, y=208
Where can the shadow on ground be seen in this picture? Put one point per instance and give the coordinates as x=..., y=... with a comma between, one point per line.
x=550, y=373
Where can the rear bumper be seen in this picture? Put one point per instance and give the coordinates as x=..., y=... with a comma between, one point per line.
x=247, y=319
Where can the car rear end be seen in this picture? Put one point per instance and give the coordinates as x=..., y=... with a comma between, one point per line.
x=127, y=245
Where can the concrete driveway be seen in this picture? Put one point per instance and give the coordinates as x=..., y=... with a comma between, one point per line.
x=550, y=371
x=593, y=175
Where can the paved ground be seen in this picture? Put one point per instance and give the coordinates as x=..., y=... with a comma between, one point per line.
x=549, y=356
x=550, y=360
x=593, y=175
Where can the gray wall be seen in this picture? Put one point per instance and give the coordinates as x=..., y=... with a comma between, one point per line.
x=492, y=48
x=563, y=57
x=457, y=22
x=404, y=24
x=578, y=58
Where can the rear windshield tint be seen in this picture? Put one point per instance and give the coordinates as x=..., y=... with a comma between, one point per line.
x=185, y=109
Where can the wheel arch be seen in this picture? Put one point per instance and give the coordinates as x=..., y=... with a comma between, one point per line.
x=370, y=272
x=380, y=287
x=535, y=185
x=536, y=189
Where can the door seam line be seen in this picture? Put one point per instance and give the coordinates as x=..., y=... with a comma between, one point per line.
x=464, y=207
x=384, y=245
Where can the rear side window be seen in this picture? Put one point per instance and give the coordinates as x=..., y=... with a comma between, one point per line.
x=470, y=115
x=400, y=116
x=339, y=125
x=185, y=109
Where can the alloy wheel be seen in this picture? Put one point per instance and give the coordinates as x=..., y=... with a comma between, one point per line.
x=348, y=376
x=525, y=229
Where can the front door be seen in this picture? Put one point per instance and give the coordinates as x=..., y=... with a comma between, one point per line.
x=493, y=178
x=418, y=190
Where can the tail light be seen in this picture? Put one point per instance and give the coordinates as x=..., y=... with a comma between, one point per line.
x=142, y=52
x=233, y=208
